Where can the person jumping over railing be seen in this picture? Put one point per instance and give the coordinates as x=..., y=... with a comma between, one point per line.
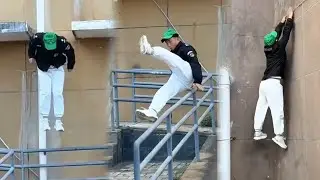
x=51, y=52
x=271, y=90
x=184, y=65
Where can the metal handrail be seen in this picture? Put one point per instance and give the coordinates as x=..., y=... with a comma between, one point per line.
x=138, y=165
x=12, y=166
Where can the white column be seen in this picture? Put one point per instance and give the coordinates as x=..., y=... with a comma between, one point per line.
x=41, y=12
x=223, y=152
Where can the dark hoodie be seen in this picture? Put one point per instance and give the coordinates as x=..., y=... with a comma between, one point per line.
x=276, y=54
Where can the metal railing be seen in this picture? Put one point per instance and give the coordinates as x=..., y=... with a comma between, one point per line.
x=171, y=129
x=11, y=167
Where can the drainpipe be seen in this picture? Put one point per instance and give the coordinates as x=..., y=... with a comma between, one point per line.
x=223, y=137
x=42, y=134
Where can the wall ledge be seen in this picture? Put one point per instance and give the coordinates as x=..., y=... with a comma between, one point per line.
x=93, y=29
x=15, y=31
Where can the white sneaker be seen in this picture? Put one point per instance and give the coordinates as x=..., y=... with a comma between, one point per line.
x=145, y=47
x=45, y=124
x=280, y=141
x=59, y=125
x=258, y=135
x=147, y=114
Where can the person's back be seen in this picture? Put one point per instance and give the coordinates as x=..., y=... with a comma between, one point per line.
x=271, y=89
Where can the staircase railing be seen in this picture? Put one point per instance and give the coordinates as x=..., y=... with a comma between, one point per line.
x=11, y=167
x=190, y=99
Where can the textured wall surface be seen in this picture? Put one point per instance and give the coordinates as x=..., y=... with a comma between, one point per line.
x=244, y=38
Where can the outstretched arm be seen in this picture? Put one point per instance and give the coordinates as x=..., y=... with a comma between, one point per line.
x=287, y=29
x=192, y=58
x=279, y=27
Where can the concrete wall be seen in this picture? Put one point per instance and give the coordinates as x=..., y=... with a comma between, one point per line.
x=301, y=95
x=244, y=38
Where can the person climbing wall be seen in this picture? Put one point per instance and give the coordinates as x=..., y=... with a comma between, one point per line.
x=271, y=89
x=185, y=67
x=51, y=52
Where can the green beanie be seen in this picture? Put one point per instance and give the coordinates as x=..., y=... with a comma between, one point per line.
x=168, y=34
x=270, y=38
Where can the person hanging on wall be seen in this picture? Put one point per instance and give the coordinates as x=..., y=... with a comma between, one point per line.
x=51, y=52
x=271, y=89
x=184, y=65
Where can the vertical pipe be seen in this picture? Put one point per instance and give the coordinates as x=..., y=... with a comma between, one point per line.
x=169, y=148
x=115, y=95
x=23, y=116
x=213, y=122
x=42, y=133
x=134, y=104
x=223, y=152
x=196, y=133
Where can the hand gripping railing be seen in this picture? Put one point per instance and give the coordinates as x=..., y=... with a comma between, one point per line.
x=138, y=165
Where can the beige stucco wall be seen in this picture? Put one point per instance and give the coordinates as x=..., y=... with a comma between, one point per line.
x=87, y=87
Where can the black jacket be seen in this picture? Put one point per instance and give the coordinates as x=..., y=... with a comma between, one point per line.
x=46, y=58
x=276, y=55
x=189, y=54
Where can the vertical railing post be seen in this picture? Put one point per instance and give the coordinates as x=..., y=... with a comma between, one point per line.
x=134, y=104
x=136, y=157
x=196, y=133
x=22, y=165
x=169, y=148
x=12, y=166
x=112, y=103
x=115, y=96
x=213, y=122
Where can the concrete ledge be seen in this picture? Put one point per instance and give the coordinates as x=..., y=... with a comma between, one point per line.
x=162, y=127
x=15, y=31
x=93, y=29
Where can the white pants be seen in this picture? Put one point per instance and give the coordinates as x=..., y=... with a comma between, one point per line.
x=49, y=82
x=180, y=79
x=270, y=95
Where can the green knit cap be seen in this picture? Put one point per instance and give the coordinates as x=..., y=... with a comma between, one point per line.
x=50, y=41
x=168, y=34
x=270, y=38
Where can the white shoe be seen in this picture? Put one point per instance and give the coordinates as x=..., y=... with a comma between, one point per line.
x=45, y=124
x=280, y=141
x=258, y=135
x=145, y=47
x=59, y=125
x=147, y=114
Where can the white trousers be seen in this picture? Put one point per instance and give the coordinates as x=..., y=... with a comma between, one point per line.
x=51, y=82
x=270, y=95
x=180, y=79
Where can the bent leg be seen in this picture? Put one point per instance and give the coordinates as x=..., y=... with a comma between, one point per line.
x=166, y=92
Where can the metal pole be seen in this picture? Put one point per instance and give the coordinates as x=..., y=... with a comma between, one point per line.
x=223, y=152
x=115, y=96
x=196, y=133
x=136, y=157
x=169, y=148
x=134, y=104
x=12, y=165
x=213, y=122
x=42, y=134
